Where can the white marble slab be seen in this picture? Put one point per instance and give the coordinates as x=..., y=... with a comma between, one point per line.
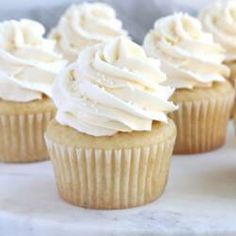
x=200, y=199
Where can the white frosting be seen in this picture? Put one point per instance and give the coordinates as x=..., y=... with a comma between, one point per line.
x=85, y=25
x=189, y=56
x=220, y=20
x=110, y=88
x=28, y=63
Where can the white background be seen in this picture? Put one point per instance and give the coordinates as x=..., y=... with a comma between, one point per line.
x=22, y=4
x=137, y=16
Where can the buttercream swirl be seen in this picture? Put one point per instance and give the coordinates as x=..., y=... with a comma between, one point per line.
x=220, y=20
x=84, y=25
x=112, y=87
x=28, y=62
x=189, y=56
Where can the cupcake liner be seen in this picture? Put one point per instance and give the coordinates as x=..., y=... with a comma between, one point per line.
x=234, y=111
x=202, y=125
x=232, y=80
x=232, y=77
x=111, y=178
x=21, y=138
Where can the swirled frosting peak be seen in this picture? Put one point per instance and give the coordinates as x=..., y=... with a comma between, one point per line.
x=188, y=55
x=28, y=62
x=220, y=20
x=84, y=25
x=112, y=87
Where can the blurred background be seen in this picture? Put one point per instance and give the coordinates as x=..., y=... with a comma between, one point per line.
x=137, y=16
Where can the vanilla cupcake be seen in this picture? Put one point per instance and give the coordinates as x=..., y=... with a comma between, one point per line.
x=220, y=20
x=193, y=64
x=28, y=65
x=84, y=25
x=111, y=141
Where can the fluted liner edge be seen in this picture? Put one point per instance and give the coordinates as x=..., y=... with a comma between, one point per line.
x=111, y=178
x=201, y=125
x=22, y=137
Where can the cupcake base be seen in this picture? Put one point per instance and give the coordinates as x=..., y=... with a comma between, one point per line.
x=22, y=127
x=232, y=77
x=121, y=171
x=232, y=80
x=202, y=117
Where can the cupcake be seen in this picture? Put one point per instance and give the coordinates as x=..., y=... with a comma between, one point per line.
x=28, y=65
x=193, y=64
x=111, y=140
x=220, y=20
x=84, y=25
x=234, y=111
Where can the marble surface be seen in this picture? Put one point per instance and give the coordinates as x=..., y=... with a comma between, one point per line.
x=200, y=199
